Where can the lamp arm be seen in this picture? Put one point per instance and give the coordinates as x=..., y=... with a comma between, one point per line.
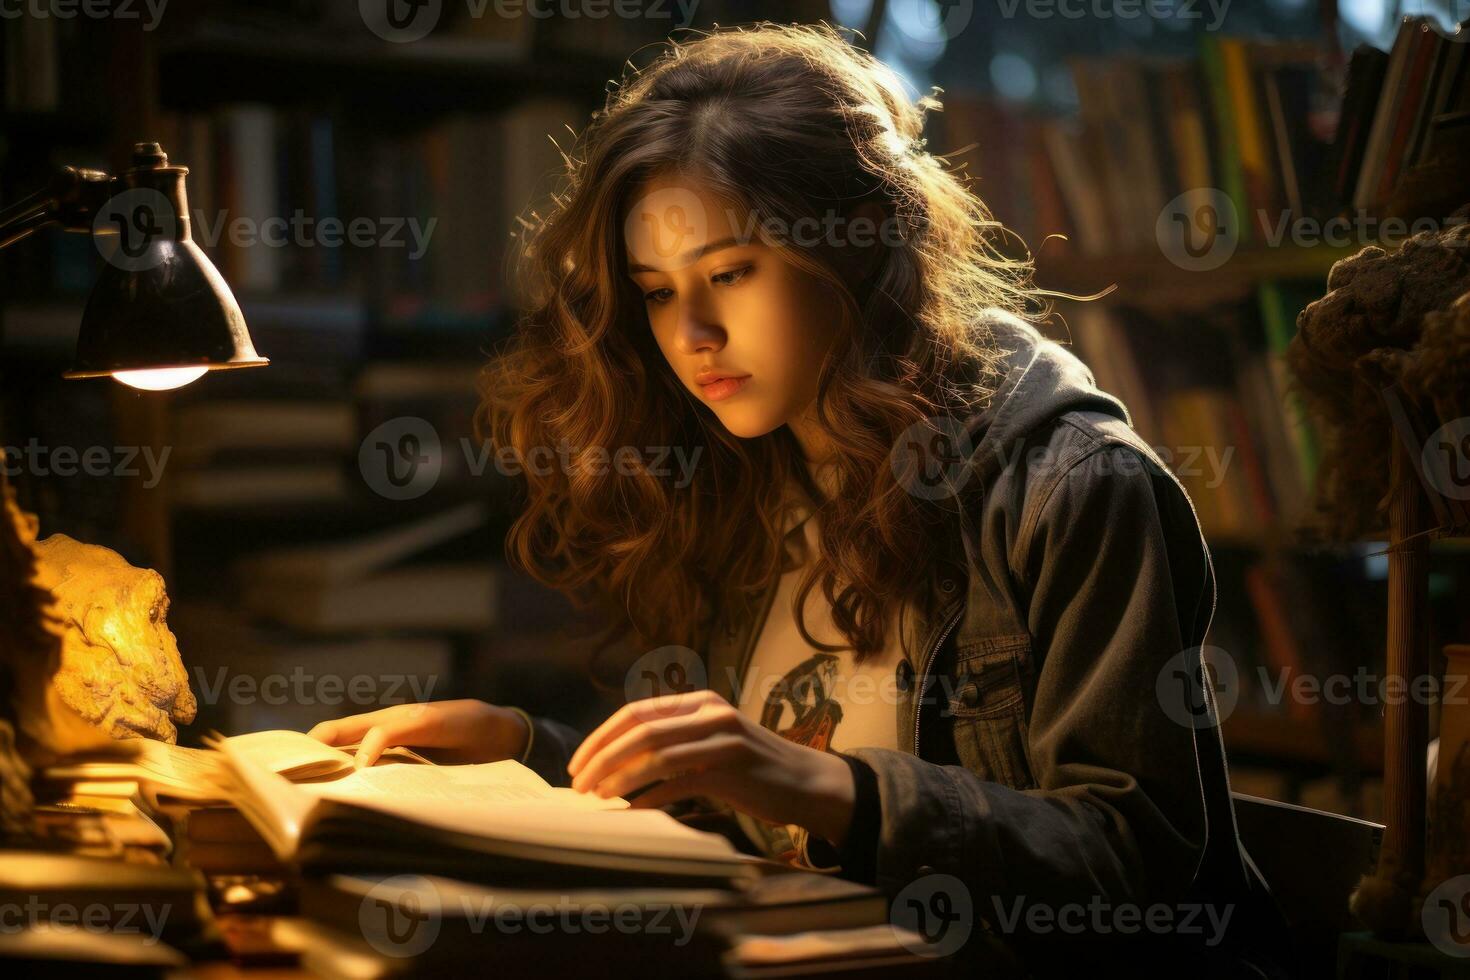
x=70, y=198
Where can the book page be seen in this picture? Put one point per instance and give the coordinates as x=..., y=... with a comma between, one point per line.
x=506, y=800
x=294, y=755
x=493, y=782
x=275, y=807
x=181, y=773
x=501, y=800
x=552, y=822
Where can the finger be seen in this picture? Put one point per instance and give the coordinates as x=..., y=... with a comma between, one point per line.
x=673, y=790
x=669, y=705
x=378, y=738
x=716, y=752
x=345, y=731
x=628, y=715
x=648, y=736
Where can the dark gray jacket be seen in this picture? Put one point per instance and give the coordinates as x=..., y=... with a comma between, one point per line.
x=1045, y=762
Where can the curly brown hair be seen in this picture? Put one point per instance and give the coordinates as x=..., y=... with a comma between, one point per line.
x=788, y=121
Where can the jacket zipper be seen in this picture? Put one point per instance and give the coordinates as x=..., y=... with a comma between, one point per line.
x=923, y=675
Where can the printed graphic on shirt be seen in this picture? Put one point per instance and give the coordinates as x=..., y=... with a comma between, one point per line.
x=805, y=699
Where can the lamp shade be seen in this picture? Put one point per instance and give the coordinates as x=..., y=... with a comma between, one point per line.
x=159, y=303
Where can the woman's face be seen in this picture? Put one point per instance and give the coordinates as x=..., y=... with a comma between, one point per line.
x=743, y=328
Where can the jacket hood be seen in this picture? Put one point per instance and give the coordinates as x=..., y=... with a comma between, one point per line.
x=1041, y=380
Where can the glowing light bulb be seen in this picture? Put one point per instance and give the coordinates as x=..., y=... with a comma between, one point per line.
x=160, y=379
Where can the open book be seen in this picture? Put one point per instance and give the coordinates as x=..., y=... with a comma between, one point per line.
x=175, y=772
x=497, y=821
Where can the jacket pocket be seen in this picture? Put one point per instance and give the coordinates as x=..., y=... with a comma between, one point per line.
x=987, y=708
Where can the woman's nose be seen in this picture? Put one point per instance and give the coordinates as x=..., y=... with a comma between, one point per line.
x=698, y=333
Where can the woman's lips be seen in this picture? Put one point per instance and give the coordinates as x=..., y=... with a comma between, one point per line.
x=721, y=388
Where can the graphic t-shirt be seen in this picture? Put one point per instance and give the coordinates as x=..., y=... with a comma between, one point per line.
x=814, y=697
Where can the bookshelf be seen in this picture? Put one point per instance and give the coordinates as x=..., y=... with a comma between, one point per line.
x=1149, y=279
x=1288, y=135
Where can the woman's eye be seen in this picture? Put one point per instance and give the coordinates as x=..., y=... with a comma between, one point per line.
x=732, y=277
x=657, y=296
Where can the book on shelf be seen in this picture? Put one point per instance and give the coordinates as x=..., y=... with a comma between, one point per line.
x=355, y=558
x=1412, y=95
x=1366, y=70
x=361, y=584
x=274, y=484
x=276, y=205
x=446, y=597
x=1222, y=411
x=208, y=428
x=1283, y=129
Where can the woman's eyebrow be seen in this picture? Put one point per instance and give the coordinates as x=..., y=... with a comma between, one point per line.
x=693, y=255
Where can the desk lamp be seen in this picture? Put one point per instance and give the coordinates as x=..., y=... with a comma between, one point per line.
x=160, y=314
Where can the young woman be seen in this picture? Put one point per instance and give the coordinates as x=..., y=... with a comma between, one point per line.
x=940, y=591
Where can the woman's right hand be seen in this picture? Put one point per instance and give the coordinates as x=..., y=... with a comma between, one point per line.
x=464, y=731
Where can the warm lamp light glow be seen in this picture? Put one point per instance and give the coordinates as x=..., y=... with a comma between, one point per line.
x=160, y=379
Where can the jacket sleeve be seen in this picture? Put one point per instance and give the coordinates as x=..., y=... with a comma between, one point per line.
x=551, y=748
x=1115, y=572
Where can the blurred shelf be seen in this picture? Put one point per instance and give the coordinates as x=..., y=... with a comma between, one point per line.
x=87, y=127
x=1151, y=280
x=419, y=78
x=1283, y=739
x=45, y=327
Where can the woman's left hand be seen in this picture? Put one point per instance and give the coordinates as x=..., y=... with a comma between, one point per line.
x=698, y=744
